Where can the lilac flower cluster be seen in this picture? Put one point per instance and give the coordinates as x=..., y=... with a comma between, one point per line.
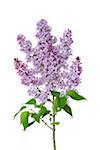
x=50, y=69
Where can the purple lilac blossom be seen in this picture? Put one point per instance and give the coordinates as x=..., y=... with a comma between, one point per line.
x=50, y=70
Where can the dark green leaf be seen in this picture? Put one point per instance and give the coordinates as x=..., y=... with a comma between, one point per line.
x=74, y=95
x=62, y=101
x=31, y=101
x=24, y=119
x=68, y=109
x=36, y=117
x=23, y=107
x=55, y=93
x=55, y=123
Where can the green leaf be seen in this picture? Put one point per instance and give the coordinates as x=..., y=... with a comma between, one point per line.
x=31, y=101
x=68, y=109
x=74, y=95
x=39, y=106
x=46, y=113
x=59, y=103
x=55, y=123
x=43, y=111
x=36, y=117
x=24, y=119
x=23, y=107
x=62, y=101
x=55, y=93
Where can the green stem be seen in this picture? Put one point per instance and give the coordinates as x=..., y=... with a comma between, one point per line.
x=54, y=129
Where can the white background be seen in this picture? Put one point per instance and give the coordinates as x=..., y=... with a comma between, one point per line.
x=83, y=18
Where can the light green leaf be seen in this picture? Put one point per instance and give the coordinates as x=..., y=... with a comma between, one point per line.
x=55, y=123
x=74, y=95
x=39, y=105
x=31, y=101
x=24, y=119
x=36, y=117
x=68, y=109
x=23, y=107
x=56, y=104
x=43, y=111
x=46, y=113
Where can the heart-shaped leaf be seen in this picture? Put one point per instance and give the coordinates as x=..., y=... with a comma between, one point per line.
x=24, y=119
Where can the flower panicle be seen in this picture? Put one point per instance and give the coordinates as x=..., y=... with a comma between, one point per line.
x=50, y=69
